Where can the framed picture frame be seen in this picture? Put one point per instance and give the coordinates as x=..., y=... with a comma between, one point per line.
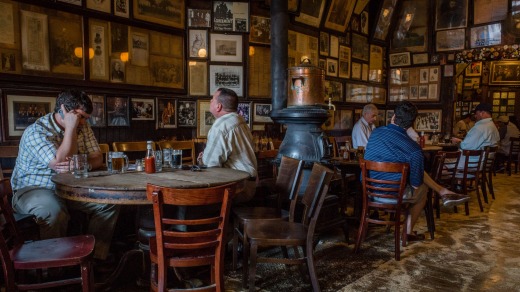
x=22, y=110
x=139, y=47
x=199, y=17
x=117, y=74
x=198, y=43
x=486, y=35
x=103, y=6
x=187, y=113
x=344, y=62
x=35, y=41
x=504, y=73
x=376, y=94
x=122, y=8
x=363, y=24
x=324, y=43
x=226, y=47
x=66, y=60
x=231, y=77
x=98, y=32
x=485, y=11
x=399, y=59
x=343, y=119
x=450, y=40
x=198, y=78
x=97, y=118
x=143, y=109
x=421, y=58
x=411, y=33
x=474, y=69
x=205, y=118
x=451, y=14
x=10, y=61
x=360, y=47
x=169, y=13
x=428, y=121
x=161, y=65
x=364, y=72
x=118, y=111
x=356, y=93
x=354, y=23
x=311, y=12
x=424, y=75
x=339, y=14
x=375, y=73
x=166, y=113
x=334, y=46
x=448, y=70
x=333, y=90
x=230, y=16
x=260, y=32
x=332, y=67
x=262, y=113
x=356, y=70
x=434, y=74
x=244, y=110
x=384, y=20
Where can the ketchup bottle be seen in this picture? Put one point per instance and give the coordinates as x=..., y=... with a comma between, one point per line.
x=149, y=160
x=421, y=140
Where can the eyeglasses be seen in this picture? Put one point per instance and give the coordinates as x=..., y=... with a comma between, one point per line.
x=195, y=168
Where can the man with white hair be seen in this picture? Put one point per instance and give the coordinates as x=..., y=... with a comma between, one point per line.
x=364, y=126
x=506, y=131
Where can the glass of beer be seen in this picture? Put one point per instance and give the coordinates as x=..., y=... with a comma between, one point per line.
x=119, y=162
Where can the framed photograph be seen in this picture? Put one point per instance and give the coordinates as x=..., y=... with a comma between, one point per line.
x=376, y=94
x=103, y=6
x=448, y=70
x=421, y=58
x=340, y=12
x=354, y=23
x=411, y=32
x=450, y=40
x=428, y=121
x=364, y=72
x=413, y=92
x=205, y=118
x=375, y=73
x=344, y=62
x=400, y=59
x=423, y=75
x=356, y=93
x=260, y=30
x=97, y=117
x=332, y=67
x=334, y=46
x=198, y=78
x=198, y=43
x=311, y=12
x=139, y=47
x=10, y=61
x=117, y=111
x=166, y=113
x=166, y=12
x=226, y=47
x=24, y=110
x=474, y=69
x=231, y=77
x=405, y=76
x=384, y=20
x=35, y=41
x=244, y=110
x=363, y=24
x=324, y=43
x=356, y=70
x=504, y=73
x=122, y=8
x=434, y=74
x=343, y=119
x=423, y=91
x=143, y=109
x=99, y=65
x=333, y=90
x=360, y=48
x=64, y=44
x=117, y=74
x=187, y=113
x=199, y=17
x=451, y=14
x=167, y=72
x=230, y=16
x=487, y=35
x=262, y=113
x=489, y=11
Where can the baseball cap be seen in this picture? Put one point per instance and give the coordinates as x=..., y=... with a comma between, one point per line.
x=503, y=119
x=484, y=107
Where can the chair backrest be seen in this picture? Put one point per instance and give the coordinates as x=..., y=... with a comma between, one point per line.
x=472, y=163
x=207, y=241
x=514, y=151
x=105, y=148
x=314, y=195
x=288, y=180
x=489, y=158
x=7, y=154
x=187, y=147
x=447, y=168
x=375, y=187
x=138, y=149
x=266, y=169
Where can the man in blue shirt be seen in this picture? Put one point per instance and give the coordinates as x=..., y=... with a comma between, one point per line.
x=392, y=144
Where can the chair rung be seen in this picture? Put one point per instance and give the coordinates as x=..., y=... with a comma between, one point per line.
x=52, y=284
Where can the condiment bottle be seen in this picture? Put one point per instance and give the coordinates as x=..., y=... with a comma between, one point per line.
x=149, y=161
x=421, y=140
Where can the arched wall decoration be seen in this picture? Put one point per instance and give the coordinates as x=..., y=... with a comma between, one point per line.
x=489, y=54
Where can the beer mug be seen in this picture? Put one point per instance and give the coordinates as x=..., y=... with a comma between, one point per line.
x=118, y=162
x=167, y=157
x=79, y=165
x=176, y=158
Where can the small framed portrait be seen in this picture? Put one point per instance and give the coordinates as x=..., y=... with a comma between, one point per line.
x=423, y=75
x=262, y=113
x=451, y=14
x=117, y=111
x=205, y=118
x=363, y=24
x=244, y=110
x=474, y=69
x=97, y=117
x=400, y=59
x=187, y=113
x=356, y=70
x=166, y=113
x=405, y=76
x=434, y=74
x=332, y=67
x=421, y=58
x=428, y=120
x=260, y=30
x=198, y=43
x=122, y=8
x=199, y=17
x=324, y=43
x=311, y=12
x=143, y=109
x=117, y=74
x=226, y=47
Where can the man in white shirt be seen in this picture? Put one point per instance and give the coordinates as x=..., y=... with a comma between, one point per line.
x=363, y=128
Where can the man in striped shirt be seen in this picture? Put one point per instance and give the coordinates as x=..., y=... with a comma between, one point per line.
x=364, y=126
x=230, y=142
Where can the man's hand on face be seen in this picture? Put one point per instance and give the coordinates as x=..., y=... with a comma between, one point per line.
x=70, y=119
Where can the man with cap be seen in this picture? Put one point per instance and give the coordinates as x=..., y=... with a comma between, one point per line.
x=484, y=132
x=463, y=126
x=506, y=131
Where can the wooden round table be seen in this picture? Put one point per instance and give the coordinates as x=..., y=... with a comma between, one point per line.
x=130, y=188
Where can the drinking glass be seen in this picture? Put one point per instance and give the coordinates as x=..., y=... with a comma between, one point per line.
x=177, y=158
x=118, y=162
x=158, y=161
x=79, y=165
x=167, y=157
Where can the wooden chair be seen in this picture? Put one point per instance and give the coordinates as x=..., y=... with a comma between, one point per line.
x=487, y=171
x=7, y=153
x=285, y=188
x=469, y=175
x=270, y=233
x=18, y=256
x=105, y=148
x=187, y=147
x=202, y=247
x=514, y=155
x=139, y=148
x=384, y=190
x=445, y=174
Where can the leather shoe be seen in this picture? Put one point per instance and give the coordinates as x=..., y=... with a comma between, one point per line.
x=451, y=200
x=415, y=237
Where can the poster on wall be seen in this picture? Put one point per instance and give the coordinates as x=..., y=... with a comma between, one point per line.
x=231, y=16
x=35, y=41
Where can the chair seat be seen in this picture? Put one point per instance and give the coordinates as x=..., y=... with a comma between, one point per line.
x=245, y=214
x=281, y=233
x=45, y=254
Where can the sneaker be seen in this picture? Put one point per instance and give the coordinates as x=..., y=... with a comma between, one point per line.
x=451, y=200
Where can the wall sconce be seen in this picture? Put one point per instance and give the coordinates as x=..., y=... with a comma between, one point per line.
x=78, y=52
x=202, y=53
x=251, y=51
x=90, y=53
x=124, y=56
